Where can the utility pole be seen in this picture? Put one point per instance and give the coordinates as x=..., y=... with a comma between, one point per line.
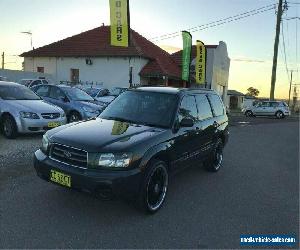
x=290, y=87
x=276, y=43
x=3, y=60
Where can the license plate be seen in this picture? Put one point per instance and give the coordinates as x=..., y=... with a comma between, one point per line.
x=60, y=178
x=53, y=124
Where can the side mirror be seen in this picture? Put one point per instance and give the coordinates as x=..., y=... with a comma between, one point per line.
x=187, y=122
x=64, y=99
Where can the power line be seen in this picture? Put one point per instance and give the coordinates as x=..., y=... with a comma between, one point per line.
x=284, y=51
x=217, y=23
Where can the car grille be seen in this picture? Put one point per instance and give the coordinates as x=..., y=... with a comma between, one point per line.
x=69, y=155
x=50, y=116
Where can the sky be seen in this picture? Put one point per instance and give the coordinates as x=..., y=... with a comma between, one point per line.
x=250, y=41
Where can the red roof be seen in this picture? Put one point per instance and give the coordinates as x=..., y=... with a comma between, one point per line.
x=177, y=56
x=96, y=42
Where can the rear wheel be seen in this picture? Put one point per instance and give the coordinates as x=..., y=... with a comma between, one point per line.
x=154, y=187
x=74, y=116
x=215, y=160
x=279, y=115
x=249, y=113
x=9, y=127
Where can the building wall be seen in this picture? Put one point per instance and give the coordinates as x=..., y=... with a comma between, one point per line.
x=109, y=71
x=217, y=70
x=220, y=71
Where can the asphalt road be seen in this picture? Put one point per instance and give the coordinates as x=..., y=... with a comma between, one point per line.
x=257, y=192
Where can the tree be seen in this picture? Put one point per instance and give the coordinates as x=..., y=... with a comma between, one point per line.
x=252, y=92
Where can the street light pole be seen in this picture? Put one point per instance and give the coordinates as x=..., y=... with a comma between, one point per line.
x=30, y=34
x=290, y=87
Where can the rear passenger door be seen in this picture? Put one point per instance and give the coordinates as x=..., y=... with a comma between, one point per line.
x=220, y=120
x=205, y=129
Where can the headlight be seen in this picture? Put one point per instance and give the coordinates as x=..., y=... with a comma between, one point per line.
x=29, y=115
x=109, y=160
x=45, y=143
x=88, y=110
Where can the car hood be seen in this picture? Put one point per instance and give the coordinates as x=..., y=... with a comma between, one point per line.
x=106, y=99
x=100, y=135
x=36, y=106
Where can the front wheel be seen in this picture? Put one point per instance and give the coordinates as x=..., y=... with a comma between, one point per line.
x=215, y=160
x=154, y=187
x=9, y=127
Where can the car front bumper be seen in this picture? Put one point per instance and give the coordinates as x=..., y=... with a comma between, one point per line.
x=37, y=125
x=102, y=182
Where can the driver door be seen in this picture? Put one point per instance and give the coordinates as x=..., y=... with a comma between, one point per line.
x=184, y=141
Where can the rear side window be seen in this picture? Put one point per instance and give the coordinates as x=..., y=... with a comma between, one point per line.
x=274, y=104
x=204, y=109
x=217, y=105
x=56, y=93
x=42, y=91
x=188, y=108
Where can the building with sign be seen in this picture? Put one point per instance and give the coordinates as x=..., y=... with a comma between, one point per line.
x=89, y=57
x=217, y=68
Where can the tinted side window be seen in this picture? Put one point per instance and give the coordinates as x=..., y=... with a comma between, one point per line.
x=56, y=93
x=274, y=104
x=265, y=104
x=188, y=108
x=204, y=109
x=217, y=105
x=42, y=90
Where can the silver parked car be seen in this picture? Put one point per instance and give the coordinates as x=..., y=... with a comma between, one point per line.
x=278, y=109
x=22, y=111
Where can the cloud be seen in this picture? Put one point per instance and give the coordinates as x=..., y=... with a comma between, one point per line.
x=247, y=60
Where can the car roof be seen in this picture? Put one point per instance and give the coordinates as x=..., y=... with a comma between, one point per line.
x=5, y=83
x=172, y=90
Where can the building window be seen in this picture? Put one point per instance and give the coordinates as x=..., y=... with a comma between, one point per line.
x=40, y=69
x=75, y=75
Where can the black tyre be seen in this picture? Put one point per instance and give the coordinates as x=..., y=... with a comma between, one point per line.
x=154, y=187
x=249, y=113
x=74, y=116
x=9, y=127
x=215, y=160
x=279, y=115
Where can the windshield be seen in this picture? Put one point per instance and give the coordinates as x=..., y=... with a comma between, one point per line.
x=17, y=92
x=78, y=95
x=142, y=107
x=116, y=91
x=92, y=92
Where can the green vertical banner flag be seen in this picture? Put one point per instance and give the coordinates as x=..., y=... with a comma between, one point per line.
x=200, y=63
x=119, y=22
x=186, y=55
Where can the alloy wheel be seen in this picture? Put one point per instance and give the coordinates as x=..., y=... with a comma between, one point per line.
x=218, y=158
x=157, y=188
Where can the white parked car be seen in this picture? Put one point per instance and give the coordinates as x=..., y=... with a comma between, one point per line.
x=22, y=111
x=33, y=82
x=278, y=109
